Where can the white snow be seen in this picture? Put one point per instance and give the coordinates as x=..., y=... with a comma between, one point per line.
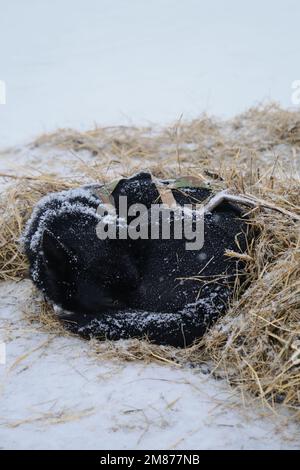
x=71, y=63
x=55, y=394
x=65, y=202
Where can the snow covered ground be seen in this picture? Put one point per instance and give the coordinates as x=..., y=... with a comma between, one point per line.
x=76, y=62
x=73, y=63
x=55, y=394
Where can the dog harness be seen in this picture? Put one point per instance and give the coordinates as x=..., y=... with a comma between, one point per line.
x=164, y=188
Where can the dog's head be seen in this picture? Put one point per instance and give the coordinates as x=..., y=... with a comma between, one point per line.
x=79, y=272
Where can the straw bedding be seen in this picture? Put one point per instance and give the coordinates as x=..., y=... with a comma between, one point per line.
x=256, y=345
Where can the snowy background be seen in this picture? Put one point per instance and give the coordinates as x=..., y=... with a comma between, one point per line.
x=74, y=63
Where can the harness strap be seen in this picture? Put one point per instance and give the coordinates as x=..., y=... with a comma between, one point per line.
x=188, y=182
x=165, y=192
x=105, y=191
x=164, y=189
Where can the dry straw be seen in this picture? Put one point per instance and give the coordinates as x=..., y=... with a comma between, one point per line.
x=256, y=345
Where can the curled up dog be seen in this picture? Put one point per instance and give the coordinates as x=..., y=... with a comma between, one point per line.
x=119, y=274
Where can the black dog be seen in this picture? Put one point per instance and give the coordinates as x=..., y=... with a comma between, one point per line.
x=123, y=288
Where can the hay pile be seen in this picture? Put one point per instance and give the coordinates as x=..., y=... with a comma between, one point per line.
x=257, y=344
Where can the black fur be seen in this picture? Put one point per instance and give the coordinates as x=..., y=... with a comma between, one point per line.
x=123, y=288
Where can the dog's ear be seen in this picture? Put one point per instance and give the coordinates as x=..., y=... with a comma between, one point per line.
x=57, y=256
